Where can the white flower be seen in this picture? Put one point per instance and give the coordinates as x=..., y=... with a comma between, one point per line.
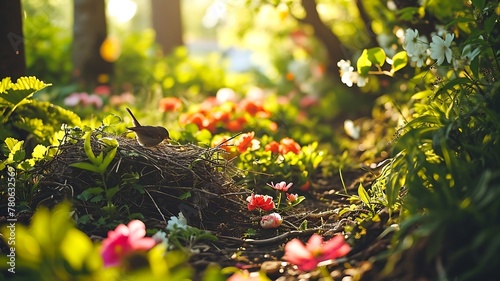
x=410, y=41
x=349, y=78
x=441, y=48
x=225, y=94
x=467, y=56
x=177, y=222
x=361, y=82
x=420, y=56
x=352, y=130
x=160, y=237
x=273, y=220
x=345, y=66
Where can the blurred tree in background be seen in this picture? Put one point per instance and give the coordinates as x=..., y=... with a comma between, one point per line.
x=12, y=41
x=89, y=34
x=167, y=24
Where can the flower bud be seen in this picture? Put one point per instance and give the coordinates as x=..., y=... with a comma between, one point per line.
x=273, y=220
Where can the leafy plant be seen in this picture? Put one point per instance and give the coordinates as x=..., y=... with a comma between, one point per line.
x=26, y=118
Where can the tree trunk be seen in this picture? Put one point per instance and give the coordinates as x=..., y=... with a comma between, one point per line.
x=89, y=32
x=12, y=58
x=324, y=34
x=167, y=23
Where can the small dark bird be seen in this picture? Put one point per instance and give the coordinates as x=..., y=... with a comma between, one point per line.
x=148, y=135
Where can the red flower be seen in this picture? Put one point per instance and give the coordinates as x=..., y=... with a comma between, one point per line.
x=102, y=90
x=307, y=257
x=202, y=121
x=222, y=116
x=281, y=186
x=222, y=142
x=236, y=125
x=273, y=220
x=305, y=186
x=287, y=145
x=125, y=240
x=264, y=202
x=273, y=146
x=245, y=141
x=170, y=104
x=252, y=107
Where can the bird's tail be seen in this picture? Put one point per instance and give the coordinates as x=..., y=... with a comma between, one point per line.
x=136, y=123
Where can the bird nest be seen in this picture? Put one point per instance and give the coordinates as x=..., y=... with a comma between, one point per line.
x=154, y=182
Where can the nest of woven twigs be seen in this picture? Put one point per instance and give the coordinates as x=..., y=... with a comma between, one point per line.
x=156, y=182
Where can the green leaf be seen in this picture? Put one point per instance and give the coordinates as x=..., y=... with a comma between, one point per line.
x=191, y=128
x=363, y=64
x=111, y=192
x=24, y=88
x=399, y=61
x=452, y=83
x=479, y=4
x=89, y=193
x=185, y=195
x=111, y=119
x=75, y=248
x=376, y=55
x=363, y=195
x=88, y=149
x=422, y=94
x=107, y=160
x=86, y=166
x=303, y=225
x=39, y=152
x=490, y=22
x=204, y=136
x=13, y=144
x=5, y=85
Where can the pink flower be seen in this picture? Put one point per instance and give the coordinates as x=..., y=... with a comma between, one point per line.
x=307, y=257
x=273, y=220
x=94, y=100
x=84, y=99
x=281, y=186
x=292, y=197
x=124, y=240
x=264, y=202
x=74, y=99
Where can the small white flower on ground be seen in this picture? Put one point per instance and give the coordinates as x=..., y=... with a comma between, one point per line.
x=273, y=220
x=160, y=237
x=441, y=48
x=177, y=222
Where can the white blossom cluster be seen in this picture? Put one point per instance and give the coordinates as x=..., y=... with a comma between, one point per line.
x=420, y=52
x=349, y=76
x=418, y=49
